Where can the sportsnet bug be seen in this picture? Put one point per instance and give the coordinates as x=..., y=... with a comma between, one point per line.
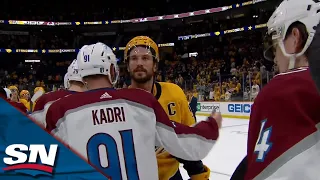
x=18, y=160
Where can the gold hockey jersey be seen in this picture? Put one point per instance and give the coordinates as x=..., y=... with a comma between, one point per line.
x=175, y=103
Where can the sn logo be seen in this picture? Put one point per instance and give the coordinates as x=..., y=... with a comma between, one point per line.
x=19, y=159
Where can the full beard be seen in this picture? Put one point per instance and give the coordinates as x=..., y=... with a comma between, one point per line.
x=141, y=79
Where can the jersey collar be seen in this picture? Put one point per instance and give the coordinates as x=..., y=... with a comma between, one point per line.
x=157, y=90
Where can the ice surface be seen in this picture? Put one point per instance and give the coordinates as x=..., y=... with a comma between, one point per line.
x=228, y=151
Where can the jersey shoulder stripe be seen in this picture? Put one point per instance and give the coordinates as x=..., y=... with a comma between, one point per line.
x=49, y=97
x=91, y=97
x=297, y=70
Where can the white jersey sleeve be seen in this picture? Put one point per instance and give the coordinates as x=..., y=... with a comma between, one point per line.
x=44, y=102
x=40, y=116
x=117, y=131
x=188, y=143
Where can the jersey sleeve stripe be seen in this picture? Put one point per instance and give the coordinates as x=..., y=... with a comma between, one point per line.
x=305, y=152
x=190, y=147
x=49, y=97
x=71, y=103
x=189, y=143
x=206, y=129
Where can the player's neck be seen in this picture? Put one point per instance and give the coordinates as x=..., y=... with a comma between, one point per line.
x=75, y=88
x=301, y=62
x=146, y=86
x=99, y=84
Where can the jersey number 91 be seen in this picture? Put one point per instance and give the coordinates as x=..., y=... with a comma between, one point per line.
x=108, y=161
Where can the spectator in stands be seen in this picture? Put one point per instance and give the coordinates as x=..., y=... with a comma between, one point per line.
x=246, y=94
x=255, y=89
x=231, y=55
x=227, y=96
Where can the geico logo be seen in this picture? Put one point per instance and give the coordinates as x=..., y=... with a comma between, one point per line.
x=240, y=108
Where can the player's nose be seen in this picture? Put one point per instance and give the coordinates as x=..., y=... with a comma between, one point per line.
x=140, y=61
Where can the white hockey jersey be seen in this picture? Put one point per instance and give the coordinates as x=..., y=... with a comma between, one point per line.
x=43, y=104
x=117, y=130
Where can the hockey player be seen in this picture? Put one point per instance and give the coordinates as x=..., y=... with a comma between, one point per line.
x=74, y=84
x=25, y=99
x=8, y=93
x=4, y=93
x=65, y=81
x=39, y=88
x=126, y=122
x=142, y=57
x=14, y=93
x=313, y=57
x=37, y=93
x=284, y=128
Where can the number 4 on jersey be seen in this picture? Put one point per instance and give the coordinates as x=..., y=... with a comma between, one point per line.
x=263, y=144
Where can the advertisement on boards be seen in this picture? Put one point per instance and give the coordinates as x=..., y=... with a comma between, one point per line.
x=208, y=107
x=239, y=108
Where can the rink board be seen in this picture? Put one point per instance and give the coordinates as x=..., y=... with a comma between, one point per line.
x=239, y=110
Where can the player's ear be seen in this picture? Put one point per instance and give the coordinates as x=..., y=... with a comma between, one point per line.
x=112, y=71
x=155, y=67
x=295, y=33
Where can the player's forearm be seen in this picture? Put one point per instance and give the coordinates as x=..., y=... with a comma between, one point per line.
x=188, y=143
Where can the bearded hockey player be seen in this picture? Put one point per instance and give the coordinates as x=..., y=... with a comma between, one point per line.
x=284, y=136
x=74, y=84
x=142, y=57
x=128, y=123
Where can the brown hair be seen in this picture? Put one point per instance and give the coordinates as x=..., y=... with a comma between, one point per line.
x=303, y=34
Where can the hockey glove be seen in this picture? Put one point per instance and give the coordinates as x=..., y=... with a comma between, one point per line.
x=203, y=176
x=196, y=170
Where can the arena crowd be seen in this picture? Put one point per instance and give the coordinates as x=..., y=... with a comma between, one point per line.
x=226, y=68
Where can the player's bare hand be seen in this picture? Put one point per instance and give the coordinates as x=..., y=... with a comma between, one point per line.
x=217, y=116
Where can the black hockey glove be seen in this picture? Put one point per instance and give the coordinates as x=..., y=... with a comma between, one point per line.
x=192, y=167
